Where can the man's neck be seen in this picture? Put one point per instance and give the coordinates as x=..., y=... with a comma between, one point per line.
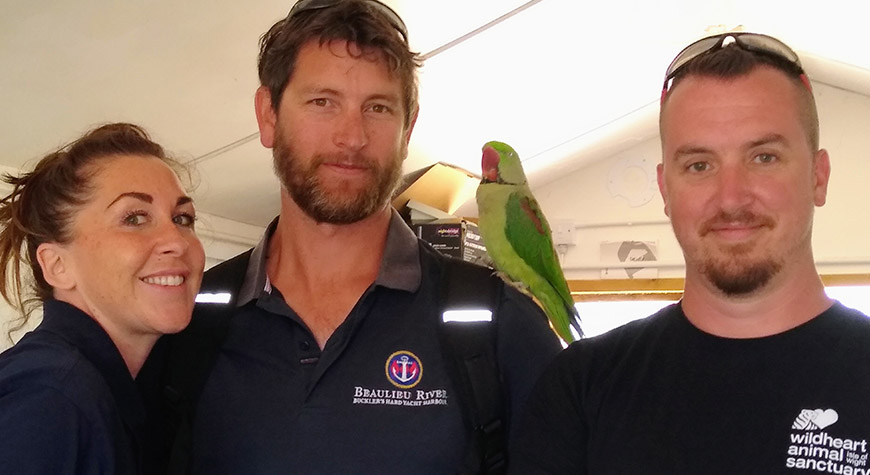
x=323, y=269
x=786, y=302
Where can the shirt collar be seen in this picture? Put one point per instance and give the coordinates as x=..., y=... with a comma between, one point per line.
x=83, y=332
x=400, y=265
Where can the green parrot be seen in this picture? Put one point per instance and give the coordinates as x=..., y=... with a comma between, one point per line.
x=518, y=239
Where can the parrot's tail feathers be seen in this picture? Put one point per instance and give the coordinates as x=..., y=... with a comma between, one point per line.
x=575, y=321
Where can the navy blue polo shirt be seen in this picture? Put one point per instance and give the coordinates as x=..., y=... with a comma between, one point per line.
x=68, y=403
x=377, y=399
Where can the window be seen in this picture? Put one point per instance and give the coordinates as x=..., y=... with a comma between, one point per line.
x=854, y=296
x=605, y=308
x=603, y=316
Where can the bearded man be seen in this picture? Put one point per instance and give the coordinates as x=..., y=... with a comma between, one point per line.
x=755, y=370
x=331, y=361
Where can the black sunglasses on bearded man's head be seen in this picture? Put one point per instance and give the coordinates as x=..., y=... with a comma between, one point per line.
x=309, y=5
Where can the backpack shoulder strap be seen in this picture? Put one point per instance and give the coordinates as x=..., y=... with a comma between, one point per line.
x=470, y=295
x=192, y=353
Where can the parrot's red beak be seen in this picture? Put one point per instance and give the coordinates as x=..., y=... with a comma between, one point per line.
x=489, y=165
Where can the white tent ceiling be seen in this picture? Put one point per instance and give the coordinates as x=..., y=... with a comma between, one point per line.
x=564, y=81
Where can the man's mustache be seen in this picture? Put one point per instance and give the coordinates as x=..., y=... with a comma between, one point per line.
x=742, y=218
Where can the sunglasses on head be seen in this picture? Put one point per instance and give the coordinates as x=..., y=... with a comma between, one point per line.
x=310, y=5
x=752, y=42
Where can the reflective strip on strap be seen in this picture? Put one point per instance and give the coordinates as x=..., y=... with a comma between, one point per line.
x=220, y=297
x=467, y=315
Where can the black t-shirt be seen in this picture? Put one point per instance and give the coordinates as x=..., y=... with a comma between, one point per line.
x=660, y=396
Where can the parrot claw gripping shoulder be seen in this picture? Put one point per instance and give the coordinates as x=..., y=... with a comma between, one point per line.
x=518, y=239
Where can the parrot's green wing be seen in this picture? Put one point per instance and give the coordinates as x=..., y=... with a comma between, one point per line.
x=528, y=232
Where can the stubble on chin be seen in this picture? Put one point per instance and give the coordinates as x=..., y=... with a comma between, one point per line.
x=341, y=203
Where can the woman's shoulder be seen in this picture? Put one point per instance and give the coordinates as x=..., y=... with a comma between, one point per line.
x=55, y=411
x=45, y=366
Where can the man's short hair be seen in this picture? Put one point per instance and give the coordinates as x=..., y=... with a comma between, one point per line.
x=357, y=22
x=732, y=61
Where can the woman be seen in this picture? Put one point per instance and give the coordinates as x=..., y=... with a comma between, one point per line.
x=108, y=235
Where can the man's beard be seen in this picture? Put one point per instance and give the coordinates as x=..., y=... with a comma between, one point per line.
x=328, y=204
x=736, y=274
x=735, y=278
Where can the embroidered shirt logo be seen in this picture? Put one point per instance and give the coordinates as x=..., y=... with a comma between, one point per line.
x=404, y=369
x=813, y=448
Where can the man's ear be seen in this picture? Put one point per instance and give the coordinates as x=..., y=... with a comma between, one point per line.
x=821, y=176
x=411, y=126
x=53, y=260
x=663, y=186
x=266, y=117
x=407, y=137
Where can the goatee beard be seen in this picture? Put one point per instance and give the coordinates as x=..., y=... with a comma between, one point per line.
x=734, y=274
x=735, y=280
